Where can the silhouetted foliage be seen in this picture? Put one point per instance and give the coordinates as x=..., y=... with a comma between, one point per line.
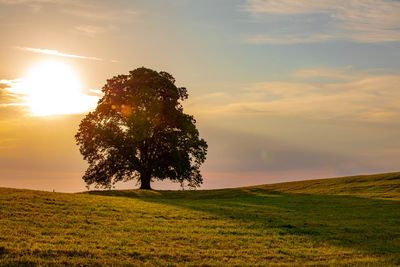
x=139, y=131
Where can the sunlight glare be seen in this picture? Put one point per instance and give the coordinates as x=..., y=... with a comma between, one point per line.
x=54, y=88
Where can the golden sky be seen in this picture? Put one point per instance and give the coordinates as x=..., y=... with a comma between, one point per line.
x=281, y=90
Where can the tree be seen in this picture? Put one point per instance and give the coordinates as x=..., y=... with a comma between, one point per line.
x=139, y=131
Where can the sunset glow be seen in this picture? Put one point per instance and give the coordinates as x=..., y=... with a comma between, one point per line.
x=281, y=90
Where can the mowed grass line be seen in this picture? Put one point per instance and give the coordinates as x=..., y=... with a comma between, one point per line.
x=344, y=221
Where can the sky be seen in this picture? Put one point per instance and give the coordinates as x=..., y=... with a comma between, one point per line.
x=281, y=90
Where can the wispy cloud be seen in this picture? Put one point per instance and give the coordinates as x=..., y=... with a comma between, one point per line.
x=288, y=6
x=6, y=83
x=57, y=53
x=19, y=2
x=8, y=98
x=346, y=73
x=92, y=30
x=101, y=13
x=366, y=21
x=10, y=104
x=288, y=39
x=88, y=10
x=367, y=99
x=345, y=96
x=52, y=52
x=370, y=21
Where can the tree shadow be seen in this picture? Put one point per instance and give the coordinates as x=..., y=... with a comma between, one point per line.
x=363, y=224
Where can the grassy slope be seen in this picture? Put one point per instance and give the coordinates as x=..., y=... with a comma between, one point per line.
x=343, y=221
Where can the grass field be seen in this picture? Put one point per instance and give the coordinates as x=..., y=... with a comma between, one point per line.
x=341, y=221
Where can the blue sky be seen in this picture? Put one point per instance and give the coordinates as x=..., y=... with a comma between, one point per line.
x=282, y=90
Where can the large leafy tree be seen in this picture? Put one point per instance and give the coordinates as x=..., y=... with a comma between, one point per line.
x=139, y=131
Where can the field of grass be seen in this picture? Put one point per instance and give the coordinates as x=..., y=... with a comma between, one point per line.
x=343, y=221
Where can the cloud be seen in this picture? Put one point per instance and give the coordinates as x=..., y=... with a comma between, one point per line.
x=329, y=73
x=288, y=6
x=88, y=10
x=52, y=52
x=365, y=21
x=373, y=99
x=100, y=13
x=5, y=83
x=370, y=21
x=20, y=2
x=351, y=96
x=288, y=39
x=92, y=30
x=7, y=98
x=10, y=104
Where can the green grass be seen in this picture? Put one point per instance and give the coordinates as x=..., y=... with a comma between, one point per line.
x=342, y=221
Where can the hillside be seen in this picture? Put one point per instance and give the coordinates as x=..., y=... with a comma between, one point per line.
x=340, y=221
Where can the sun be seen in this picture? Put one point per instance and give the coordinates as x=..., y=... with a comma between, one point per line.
x=54, y=88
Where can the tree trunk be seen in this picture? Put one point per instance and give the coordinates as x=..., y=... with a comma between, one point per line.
x=145, y=180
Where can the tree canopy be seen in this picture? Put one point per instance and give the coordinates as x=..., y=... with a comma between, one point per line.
x=139, y=131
